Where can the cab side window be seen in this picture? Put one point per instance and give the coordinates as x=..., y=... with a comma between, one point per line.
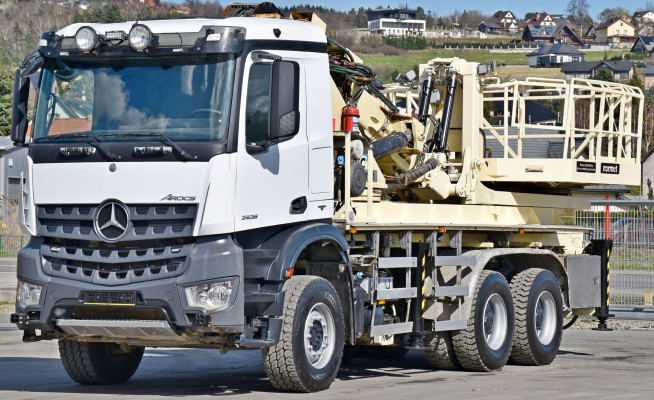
x=257, y=109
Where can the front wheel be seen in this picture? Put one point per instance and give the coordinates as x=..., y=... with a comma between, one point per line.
x=99, y=363
x=310, y=347
x=485, y=344
x=539, y=317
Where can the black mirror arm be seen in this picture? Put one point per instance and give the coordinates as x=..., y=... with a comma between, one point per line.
x=257, y=148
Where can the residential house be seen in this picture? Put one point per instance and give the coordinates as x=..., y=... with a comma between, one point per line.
x=644, y=16
x=396, y=21
x=489, y=27
x=615, y=31
x=590, y=34
x=179, y=10
x=648, y=77
x=582, y=69
x=554, y=55
x=644, y=44
x=548, y=34
x=621, y=70
x=543, y=19
x=560, y=19
x=506, y=21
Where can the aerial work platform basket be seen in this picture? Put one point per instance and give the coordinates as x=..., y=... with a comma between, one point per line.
x=569, y=134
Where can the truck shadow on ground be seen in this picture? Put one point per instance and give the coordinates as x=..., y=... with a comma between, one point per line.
x=183, y=373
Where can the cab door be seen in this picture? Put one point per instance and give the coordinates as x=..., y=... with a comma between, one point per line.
x=272, y=164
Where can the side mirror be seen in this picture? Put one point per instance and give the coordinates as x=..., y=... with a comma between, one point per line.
x=19, y=107
x=284, y=100
x=32, y=63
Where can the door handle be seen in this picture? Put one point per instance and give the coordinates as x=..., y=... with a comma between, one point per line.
x=299, y=205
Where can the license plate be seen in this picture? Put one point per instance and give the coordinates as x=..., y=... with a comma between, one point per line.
x=107, y=298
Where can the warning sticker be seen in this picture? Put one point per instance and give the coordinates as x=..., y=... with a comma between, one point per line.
x=586, y=166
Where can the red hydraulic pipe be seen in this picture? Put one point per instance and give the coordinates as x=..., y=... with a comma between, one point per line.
x=607, y=219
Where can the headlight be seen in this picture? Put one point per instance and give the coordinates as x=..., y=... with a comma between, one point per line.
x=212, y=296
x=86, y=38
x=28, y=294
x=140, y=37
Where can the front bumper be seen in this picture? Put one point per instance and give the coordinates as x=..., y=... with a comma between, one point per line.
x=160, y=312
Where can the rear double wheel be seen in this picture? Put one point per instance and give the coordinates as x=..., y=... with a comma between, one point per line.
x=538, y=317
x=485, y=344
x=308, y=354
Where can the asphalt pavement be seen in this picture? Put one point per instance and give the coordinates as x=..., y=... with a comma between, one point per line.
x=590, y=364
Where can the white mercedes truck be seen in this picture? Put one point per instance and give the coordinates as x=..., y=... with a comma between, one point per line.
x=245, y=182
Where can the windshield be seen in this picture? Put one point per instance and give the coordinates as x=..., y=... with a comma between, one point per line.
x=184, y=98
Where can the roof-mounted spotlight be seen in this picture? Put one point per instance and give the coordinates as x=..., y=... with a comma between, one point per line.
x=86, y=38
x=140, y=37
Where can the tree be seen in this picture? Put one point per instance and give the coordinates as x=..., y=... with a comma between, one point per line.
x=6, y=87
x=577, y=11
x=636, y=81
x=604, y=74
x=615, y=12
x=650, y=192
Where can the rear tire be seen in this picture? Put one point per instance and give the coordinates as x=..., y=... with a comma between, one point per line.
x=98, y=363
x=308, y=354
x=440, y=352
x=538, y=317
x=485, y=344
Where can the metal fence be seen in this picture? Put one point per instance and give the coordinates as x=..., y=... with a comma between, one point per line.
x=630, y=224
x=11, y=240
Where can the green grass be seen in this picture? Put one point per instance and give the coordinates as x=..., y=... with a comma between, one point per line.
x=385, y=64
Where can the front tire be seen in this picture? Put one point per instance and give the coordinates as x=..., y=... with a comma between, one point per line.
x=485, y=344
x=99, y=363
x=538, y=319
x=310, y=347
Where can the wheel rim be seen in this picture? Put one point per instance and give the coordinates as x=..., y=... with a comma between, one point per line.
x=495, y=321
x=319, y=335
x=545, y=318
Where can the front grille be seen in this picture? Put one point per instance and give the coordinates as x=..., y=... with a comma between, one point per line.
x=146, y=222
x=114, y=266
x=156, y=245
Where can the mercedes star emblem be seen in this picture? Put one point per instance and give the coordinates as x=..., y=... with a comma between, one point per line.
x=111, y=221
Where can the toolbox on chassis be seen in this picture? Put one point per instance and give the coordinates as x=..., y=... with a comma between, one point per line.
x=243, y=183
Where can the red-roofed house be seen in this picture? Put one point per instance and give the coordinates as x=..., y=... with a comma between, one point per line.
x=542, y=19
x=179, y=10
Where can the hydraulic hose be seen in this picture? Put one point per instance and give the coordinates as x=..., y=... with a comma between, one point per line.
x=406, y=178
x=571, y=322
x=390, y=144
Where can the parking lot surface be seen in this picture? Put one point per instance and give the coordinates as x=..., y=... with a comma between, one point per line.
x=590, y=364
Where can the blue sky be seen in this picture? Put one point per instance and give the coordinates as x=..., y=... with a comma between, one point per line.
x=519, y=7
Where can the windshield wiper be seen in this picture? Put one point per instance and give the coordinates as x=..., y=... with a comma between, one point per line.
x=90, y=139
x=164, y=138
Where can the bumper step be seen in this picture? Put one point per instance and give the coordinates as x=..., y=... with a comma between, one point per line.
x=123, y=328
